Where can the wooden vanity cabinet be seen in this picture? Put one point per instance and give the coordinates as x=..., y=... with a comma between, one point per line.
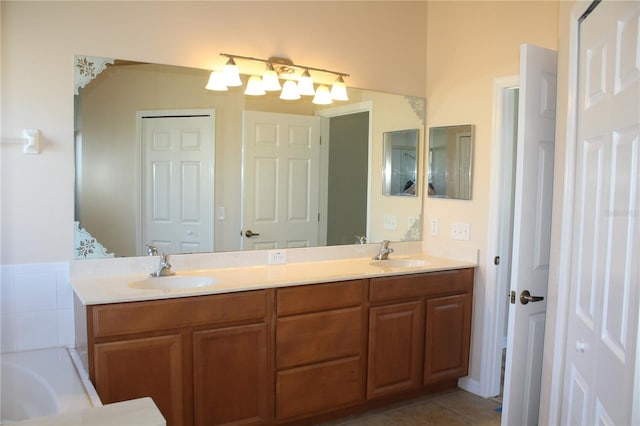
x=420, y=330
x=203, y=360
x=321, y=333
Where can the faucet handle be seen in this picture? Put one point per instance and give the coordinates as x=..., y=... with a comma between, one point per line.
x=151, y=250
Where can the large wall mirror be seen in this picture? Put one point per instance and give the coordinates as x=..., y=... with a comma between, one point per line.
x=450, y=162
x=226, y=181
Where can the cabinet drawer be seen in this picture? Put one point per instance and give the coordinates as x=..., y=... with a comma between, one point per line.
x=421, y=285
x=311, y=390
x=321, y=336
x=320, y=297
x=137, y=317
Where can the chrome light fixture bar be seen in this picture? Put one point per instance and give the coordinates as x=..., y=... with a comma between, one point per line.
x=275, y=69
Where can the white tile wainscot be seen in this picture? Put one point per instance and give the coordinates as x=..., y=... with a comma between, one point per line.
x=36, y=309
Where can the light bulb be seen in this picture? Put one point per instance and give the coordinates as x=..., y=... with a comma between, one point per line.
x=216, y=82
x=305, y=84
x=322, y=97
x=290, y=91
x=339, y=90
x=232, y=74
x=270, y=81
x=254, y=86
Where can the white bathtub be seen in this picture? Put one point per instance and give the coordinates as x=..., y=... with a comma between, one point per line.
x=40, y=383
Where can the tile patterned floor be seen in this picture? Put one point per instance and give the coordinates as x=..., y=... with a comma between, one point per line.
x=454, y=408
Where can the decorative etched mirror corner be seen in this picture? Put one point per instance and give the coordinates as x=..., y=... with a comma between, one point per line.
x=118, y=99
x=400, y=168
x=450, y=162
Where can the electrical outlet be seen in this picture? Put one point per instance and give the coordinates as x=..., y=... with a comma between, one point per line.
x=277, y=257
x=390, y=222
x=461, y=231
x=435, y=228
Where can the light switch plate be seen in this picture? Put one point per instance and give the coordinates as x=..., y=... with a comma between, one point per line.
x=461, y=231
x=390, y=222
x=435, y=227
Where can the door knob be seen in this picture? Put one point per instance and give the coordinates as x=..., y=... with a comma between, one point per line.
x=250, y=234
x=526, y=297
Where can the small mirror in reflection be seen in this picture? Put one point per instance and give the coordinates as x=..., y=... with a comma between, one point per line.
x=400, y=163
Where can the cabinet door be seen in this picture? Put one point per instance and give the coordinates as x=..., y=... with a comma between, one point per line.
x=137, y=368
x=230, y=376
x=447, y=338
x=395, y=348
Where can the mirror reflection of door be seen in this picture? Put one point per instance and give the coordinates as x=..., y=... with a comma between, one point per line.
x=177, y=184
x=281, y=168
x=460, y=183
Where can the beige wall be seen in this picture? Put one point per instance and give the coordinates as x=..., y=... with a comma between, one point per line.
x=469, y=44
x=40, y=39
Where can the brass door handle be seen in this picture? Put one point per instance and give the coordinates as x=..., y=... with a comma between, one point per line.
x=250, y=234
x=526, y=297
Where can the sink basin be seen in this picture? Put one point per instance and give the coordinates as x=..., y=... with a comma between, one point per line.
x=400, y=263
x=174, y=282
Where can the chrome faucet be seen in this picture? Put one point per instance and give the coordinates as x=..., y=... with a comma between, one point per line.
x=384, y=252
x=164, y=269
x=152, y=250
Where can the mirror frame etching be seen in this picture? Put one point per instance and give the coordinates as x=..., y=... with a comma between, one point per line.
x=451, y=162
x=392, y=111
x=401, y=163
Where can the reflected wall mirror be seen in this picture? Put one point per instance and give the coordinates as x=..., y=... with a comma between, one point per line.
x=450, y=162
x=131, y=176
x=400, y=163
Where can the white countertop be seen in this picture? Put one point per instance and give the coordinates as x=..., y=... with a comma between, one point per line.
x=94, y=289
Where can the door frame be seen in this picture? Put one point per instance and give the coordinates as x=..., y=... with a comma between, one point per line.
x=139, y=179
x=325, y=116
x=495, y=312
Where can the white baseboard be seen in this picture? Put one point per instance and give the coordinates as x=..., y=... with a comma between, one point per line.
x=470, y=385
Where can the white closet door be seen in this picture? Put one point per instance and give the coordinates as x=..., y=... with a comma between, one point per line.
x=604, y=271
x=178, y=183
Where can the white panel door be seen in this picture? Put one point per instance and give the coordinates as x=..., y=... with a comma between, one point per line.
x=531, y=234
x=178, y=183
x=604, y=273
x=281, y=156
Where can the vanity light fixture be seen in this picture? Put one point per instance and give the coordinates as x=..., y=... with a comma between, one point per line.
x=276, y=69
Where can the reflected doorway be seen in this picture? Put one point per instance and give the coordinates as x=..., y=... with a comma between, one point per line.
x=347, y=185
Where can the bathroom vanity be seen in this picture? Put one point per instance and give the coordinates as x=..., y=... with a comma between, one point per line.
x=285, y=346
